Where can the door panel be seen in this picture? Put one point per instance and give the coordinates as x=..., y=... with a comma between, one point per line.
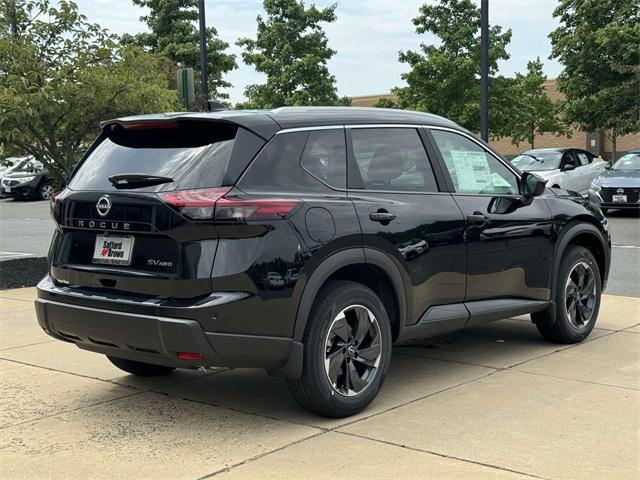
x=401, y=213
x=426, y=240
x=510, y=251
x=508, y=238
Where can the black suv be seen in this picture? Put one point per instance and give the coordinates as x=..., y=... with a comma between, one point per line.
x=306, y=241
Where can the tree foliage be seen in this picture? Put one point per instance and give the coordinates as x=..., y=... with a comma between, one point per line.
x=174, y=34
x=534, y=112
x=292, y=50
x=61, y=75
x=444, y=77
x=598, y=43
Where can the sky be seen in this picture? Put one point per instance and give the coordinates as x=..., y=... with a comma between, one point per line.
x=367, y=35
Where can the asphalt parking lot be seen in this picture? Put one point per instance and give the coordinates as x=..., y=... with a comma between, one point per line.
x=492, y=402
x=26, y=229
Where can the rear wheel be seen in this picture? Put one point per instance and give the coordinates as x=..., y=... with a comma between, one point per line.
x=347, y=351
x=577, y=299
x=140, y=368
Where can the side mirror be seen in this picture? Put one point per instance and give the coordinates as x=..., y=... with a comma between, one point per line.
x=532, y=185
x=568, y=167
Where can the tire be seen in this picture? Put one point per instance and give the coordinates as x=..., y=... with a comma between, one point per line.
x=339, y=309
x=575, y=319
x=45, y=191
x=140, y=368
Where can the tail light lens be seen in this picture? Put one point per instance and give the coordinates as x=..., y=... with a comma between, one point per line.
x=55, y=202
x=213, y=204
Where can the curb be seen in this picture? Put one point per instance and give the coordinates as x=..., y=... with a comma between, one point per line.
x=22, y=272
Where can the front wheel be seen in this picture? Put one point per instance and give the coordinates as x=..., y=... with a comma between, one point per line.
x=45, y=192
x=347, y=351
x=140, y=368
x=577, y=299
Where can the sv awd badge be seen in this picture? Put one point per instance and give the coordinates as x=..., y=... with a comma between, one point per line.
x=159, y=263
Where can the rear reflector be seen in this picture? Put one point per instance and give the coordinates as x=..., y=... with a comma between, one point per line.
x=212, y=204
x=190, y=356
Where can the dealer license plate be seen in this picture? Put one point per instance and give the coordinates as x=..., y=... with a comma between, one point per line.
x=619, y=199
x=112, y=250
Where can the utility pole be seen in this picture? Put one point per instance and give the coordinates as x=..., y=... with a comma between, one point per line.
x=203, y=52
x=484, y=70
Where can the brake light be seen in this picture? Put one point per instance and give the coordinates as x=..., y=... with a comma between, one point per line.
x=212, y=204
x=195, y=204
x=55, y=201
x=149, y=125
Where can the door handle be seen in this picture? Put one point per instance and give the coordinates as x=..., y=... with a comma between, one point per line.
x=477, y=217
x=382, y=216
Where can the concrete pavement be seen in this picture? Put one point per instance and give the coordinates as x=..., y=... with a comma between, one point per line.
x=493, y=402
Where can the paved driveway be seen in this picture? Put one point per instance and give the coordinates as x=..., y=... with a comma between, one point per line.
x=493, y=402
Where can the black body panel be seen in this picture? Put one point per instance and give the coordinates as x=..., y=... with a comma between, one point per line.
x=239, y=289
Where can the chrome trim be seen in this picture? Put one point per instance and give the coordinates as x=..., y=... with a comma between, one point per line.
x=307, y=129
x=386, y=125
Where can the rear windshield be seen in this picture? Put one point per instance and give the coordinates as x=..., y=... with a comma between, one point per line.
x=192, y=154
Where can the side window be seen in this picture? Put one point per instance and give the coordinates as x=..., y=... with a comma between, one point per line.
x=325, y=156
x=472, y=169
x=277, y=167
x=392, y=159
x=583, y=158
x=569, y=159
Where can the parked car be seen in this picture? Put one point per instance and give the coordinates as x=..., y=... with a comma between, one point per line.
x=27, y=179
x=291, y=277
x=8, y=163
x=618, y=186
x=274, y=280
x=566, y=168
x=170, y=221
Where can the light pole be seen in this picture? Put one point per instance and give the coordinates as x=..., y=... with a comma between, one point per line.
x=484, y=70
x=203, y=52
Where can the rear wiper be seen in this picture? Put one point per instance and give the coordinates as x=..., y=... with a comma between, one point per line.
x=136, y=180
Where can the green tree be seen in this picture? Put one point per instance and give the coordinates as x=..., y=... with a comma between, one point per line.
x=175, y=35
x=61, y=75
x=534, y=112
x=292, y=50
x=444, y=78
x=598, y=43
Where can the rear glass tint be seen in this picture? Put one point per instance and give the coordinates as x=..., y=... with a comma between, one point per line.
x=193, y=154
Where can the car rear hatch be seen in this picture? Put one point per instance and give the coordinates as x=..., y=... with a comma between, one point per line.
x=137, y=214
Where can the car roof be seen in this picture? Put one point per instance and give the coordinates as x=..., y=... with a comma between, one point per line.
x=550, y=149
x=267, y=122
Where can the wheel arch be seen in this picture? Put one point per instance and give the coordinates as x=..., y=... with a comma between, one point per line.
x=367, y=266
x=586, y=234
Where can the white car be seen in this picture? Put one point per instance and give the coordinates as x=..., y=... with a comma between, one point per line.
x=274, y=280
x=567, y=168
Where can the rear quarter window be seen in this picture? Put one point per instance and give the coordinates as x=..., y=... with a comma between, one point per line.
x=278, y=167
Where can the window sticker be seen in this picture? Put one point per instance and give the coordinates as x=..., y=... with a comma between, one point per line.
x=472, y=170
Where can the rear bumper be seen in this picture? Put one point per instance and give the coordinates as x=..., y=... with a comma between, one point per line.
x=158, y=339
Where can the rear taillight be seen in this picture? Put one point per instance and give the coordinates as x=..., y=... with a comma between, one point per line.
x=253, y=209
x=195, y=204
x=212, y=204
x=56, y=201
